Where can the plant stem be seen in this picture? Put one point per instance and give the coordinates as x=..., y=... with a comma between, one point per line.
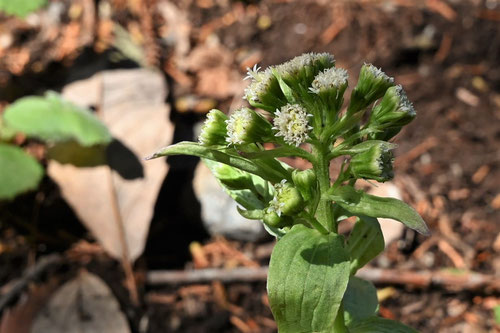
x=313, y=222
x=322, y=169
x=339, y=324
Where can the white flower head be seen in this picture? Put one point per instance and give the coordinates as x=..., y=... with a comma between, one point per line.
x=379, y=74
x=252, y=73
x=237, y=125
x=275, y=205
x=328, y=79
x=213, y=130
x=404, y=103
x=259, y=85
x=292, y=123
x=292, y=67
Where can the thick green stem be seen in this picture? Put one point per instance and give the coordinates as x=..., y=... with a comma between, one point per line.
x=339, y=324
x=322, y=169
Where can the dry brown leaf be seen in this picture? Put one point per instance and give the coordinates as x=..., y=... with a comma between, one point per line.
x=132, y=106
x=84, y=304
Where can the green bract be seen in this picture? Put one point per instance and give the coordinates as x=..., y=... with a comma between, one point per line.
x=311, y=282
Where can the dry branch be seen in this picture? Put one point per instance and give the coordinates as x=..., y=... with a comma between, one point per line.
x=453, y=281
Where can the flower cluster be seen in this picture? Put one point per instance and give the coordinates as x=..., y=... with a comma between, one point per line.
x=301, y=104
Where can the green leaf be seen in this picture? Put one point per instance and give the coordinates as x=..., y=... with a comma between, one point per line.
x=52, y=119
x=365, y=242
x=496, y=311
x=226, y=156
x=308, y=275
x=21, y=8
x=361, y=203
x=282, y=151
x=19, y=172
x=253, y=200
x=360, y=300
x=379, y=325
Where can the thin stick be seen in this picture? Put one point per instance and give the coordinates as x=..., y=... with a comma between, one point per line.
x=451, y=281
x=126, y=263
x=30, y=275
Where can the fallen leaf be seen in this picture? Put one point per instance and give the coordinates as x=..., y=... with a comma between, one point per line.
x=84, y=304
x=132, y=106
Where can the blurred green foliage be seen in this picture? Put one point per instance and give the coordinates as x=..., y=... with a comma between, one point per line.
x=21, y=8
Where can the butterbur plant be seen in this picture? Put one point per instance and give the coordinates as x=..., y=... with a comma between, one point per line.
x=297, y=109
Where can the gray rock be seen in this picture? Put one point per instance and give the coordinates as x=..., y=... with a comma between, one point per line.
x=218, y=209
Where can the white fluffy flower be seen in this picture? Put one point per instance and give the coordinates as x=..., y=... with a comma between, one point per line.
x=328, y=79
x=378, y=73
x=404, y=103
x=292, y=123
x=252, y=73
x=275, y=205
x=259, y=85
x=237, y=125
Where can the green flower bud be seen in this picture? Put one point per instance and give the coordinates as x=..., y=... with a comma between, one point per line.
x=213, y=131
x=330, y=86
x=302, y=69
x=247, y=126
x=274, y=220
x=287, y=200
x=375, y=162
x=263, y=91
x=305, y=181
x=232, y=177
x=395, y=110
x=372, y=85
x=292, y=123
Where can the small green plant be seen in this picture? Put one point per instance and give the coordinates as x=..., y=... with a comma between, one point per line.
x=21, y=8
x=72, y=134
x=312, y=285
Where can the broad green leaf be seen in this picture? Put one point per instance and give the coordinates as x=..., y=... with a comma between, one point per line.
x=226, y=156
x=252, y=200
x=360, y=300
x=52, y=119
x=6, y=133
x=19, y=172
x=365, y=242
x=21, y=8
x=496, y=311
x=379, y=325
x=361, y=203
x=73, y=153
x=282, y=151
x=249, y=199
x=308, y=275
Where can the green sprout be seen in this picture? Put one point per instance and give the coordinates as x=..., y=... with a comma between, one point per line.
x=299, y=111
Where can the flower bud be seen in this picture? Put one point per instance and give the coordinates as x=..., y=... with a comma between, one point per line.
x=373, y=163
x=287, y=200
x=232, y=177
x=213, y=131
x=247, y=126
x=302, y=69
x=264, y=91
x=305, y=181
x=372, y=85
x=330, y=85
x=395, y=110
x=292, y=123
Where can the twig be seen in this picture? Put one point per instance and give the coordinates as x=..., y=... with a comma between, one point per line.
x=241, y=274
x=31, y=274
x=452, y=281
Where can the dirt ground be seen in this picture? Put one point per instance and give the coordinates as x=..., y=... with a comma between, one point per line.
x=445, y=53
